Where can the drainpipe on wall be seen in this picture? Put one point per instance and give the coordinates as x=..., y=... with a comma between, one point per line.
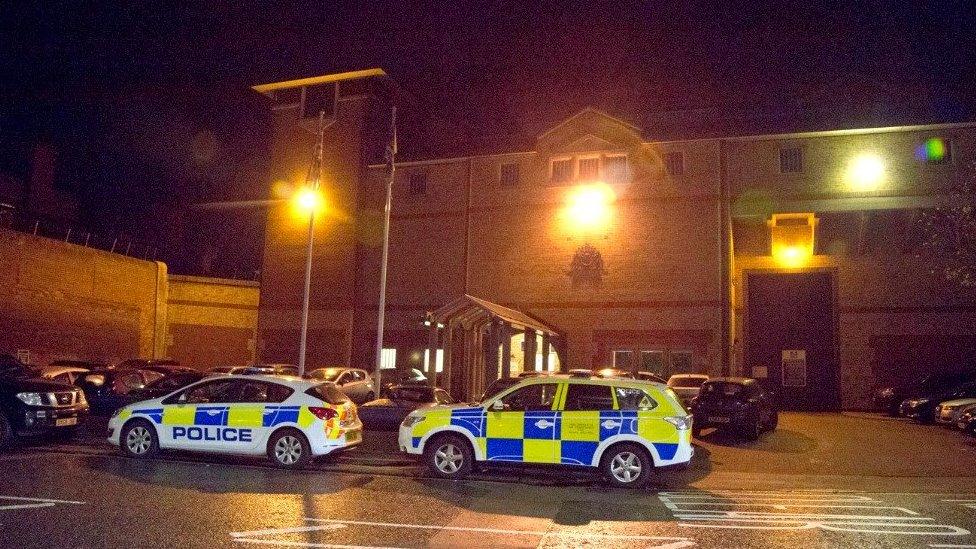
x=159, y=312
x=725, y=221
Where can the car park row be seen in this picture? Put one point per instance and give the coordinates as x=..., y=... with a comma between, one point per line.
x=620, y=423
x=945, y=398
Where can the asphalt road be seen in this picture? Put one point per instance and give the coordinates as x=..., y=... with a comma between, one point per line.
x=775, y=493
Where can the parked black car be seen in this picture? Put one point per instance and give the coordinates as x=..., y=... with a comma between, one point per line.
x=922, y=408
x=30, y=406
x=889, y=398
x=164, y=386
x=108, y=389
x=388, y=413
x=735, y=404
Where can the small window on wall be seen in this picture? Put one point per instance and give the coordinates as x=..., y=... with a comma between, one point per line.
x=674, y=163
x=616, y=168
x=652, y=361
x=562, y=170
x=681, y=362
x=438, y=359
x=791, y=160
x=508, y=175
x=388, y=359
x=418, y=183
x=589, y=169
x=621, y=359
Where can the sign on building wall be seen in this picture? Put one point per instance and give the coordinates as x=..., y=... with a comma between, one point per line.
x=794, y=367
x=23, y=355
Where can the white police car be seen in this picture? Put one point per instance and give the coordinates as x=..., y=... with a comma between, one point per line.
x=288, y=419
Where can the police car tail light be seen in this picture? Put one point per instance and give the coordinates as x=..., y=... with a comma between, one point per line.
x=680, y=423
x=323, y=413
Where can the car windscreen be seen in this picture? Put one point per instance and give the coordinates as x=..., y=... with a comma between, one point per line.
x=687, y=381
x=327, y=374
x=328, y=393
x=172, y=382
x=720, y=389
x=498, y=386
x=414, y=394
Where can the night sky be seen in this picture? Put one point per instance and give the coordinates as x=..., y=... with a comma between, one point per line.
x=150, y=110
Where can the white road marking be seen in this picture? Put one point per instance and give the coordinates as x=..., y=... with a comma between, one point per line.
x=310, y=544
x=723, y=510
x=502, y=530
x=295, y=530
x=24, y=506
x=43, y=500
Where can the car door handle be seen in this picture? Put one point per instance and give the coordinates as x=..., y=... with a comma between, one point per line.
x=610, y=424
x=544, y=424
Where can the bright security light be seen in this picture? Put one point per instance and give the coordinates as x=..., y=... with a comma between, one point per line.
x=866, y=172
x=308, y=200
x=791, y=257
x=589, y=206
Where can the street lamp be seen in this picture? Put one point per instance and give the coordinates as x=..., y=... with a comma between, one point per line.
x=307, y=200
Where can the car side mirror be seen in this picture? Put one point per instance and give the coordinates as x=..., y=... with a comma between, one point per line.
x=498, y=406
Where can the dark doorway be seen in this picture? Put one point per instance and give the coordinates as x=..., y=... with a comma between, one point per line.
x=790, y=338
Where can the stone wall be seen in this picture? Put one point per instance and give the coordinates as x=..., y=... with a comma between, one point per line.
x=60, y=300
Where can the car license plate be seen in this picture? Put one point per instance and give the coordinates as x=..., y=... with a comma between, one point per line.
x=714, y=419
x=65, y=422
x=353, y=436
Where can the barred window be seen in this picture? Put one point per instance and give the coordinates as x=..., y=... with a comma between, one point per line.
x=589, y=169
x=508, y=175
x=674, y=163
x=791, y=160
x=418, y=183
x=616, y=169
x=562, y=170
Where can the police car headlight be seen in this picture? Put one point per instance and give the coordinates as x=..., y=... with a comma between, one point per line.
x=410, y=421
x=32, y=399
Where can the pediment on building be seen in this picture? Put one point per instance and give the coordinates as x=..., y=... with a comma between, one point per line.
x=589, y=130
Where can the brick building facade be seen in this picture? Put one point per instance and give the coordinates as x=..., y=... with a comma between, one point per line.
x=783, y=256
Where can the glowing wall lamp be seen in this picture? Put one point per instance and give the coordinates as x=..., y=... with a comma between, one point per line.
x=588, y=207
x=792, y=237
x=866, y=172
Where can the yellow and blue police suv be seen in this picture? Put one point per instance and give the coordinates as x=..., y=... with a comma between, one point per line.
x=625, y=427
x=288, y=419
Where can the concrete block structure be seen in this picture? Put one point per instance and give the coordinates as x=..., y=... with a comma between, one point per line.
x=783, y=256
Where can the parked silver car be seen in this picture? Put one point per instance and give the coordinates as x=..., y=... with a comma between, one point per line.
x=355, y=383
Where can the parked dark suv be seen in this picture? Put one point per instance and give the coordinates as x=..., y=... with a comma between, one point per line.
x=31, y=406
x=740, y=405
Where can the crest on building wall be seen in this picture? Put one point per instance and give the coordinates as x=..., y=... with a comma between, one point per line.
x=587, y=268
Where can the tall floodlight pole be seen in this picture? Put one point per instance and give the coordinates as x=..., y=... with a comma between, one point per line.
x=391, y=151
x=315, y=175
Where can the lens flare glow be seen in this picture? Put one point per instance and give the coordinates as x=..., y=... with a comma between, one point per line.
x=933, y=150
x=588, y=206
x=866, y=172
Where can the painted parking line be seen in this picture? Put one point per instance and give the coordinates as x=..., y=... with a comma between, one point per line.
x=790, y=510
x=267, y=536
x=32, y=503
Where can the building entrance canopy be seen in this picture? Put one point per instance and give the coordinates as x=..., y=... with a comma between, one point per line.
x=475, y=337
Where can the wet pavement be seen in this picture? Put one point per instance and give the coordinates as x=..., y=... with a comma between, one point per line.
x=822, y=480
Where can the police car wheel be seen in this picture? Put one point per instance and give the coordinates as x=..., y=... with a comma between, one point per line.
x=627, y=465
x=138, y=439
x=288, y=448
x=449, y=456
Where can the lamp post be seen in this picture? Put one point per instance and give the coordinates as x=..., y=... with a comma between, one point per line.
x=308, y=199
x=391, y=151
